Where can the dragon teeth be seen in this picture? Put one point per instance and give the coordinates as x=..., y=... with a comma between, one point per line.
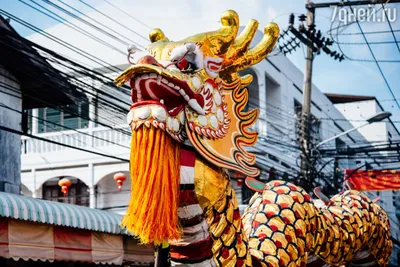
x=195, y=106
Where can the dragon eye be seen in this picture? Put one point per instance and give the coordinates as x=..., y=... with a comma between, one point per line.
x=182, y=64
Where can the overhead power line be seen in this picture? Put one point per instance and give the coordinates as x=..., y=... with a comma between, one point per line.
x=132, y=17
x=73, y=48
x=105, y=15
x=367, y=33
x=377, y=64
x=59, y=125
x=391, y=29
x=99, y=29
x=68, y=24
x=58, y=143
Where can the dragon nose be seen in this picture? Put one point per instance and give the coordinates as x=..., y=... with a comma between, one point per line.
x=149, y=60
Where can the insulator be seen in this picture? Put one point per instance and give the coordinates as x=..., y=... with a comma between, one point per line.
x=291, y=19
x=302, y=17
x=329, y=41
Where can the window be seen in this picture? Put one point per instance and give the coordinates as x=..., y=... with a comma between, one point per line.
x=71, y=117
x=78, y=192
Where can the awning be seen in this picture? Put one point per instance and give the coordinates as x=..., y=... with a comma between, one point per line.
x=34, y=229
x=49, y=212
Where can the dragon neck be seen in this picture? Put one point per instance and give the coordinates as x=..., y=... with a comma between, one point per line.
x=195, y=245
x=219, y=204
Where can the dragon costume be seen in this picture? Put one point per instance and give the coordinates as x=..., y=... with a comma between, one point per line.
x=189, y=125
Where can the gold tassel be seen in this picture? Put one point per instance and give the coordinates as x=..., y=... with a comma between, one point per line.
x=152, y=213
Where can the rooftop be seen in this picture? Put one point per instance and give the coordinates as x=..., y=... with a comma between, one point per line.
x=41, y=84
x=340, y=98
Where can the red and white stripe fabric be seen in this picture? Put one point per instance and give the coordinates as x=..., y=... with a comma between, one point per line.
x=194, y=247
x=37, y=241
x=361, y=259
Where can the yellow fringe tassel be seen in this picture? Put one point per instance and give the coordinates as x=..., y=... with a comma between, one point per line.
x=152, y=213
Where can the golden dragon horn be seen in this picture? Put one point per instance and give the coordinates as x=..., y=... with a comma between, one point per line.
x=242, y=42
x=218, y=42
x=243, y=58
x=157, y=35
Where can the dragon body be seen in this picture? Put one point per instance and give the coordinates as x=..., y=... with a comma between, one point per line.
x=189, y=125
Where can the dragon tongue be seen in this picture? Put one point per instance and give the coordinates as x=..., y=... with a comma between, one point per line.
x=196, y=107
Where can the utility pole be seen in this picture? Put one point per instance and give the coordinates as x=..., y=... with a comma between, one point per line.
x=306, y=107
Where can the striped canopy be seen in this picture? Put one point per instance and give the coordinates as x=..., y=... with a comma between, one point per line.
x=34, y=229
x=49, y=212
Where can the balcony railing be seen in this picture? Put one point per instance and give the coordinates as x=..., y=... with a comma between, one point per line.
x=95, y=137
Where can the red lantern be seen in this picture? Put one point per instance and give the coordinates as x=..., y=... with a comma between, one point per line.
x=240, y=182
x=119, y=178
x=64, y=184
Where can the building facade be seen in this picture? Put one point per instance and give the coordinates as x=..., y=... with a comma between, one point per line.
x=276, y=91
x=356, y=109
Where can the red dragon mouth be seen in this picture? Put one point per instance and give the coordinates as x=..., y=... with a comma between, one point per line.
x=171, y=93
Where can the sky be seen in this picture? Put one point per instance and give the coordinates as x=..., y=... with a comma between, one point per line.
x=180, y=18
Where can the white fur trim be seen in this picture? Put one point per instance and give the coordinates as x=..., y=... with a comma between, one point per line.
x=138, y=55
x=199, y=57
x=178, y=52
x=181, y=50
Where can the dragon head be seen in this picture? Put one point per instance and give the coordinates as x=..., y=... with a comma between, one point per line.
x=191, y=89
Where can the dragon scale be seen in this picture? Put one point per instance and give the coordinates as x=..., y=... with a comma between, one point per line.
x=190, y=124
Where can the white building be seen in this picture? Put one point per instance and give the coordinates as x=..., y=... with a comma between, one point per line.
x=276, y=90
x=356, y=109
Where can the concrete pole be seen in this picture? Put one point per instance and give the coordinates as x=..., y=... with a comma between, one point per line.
x=35, y=121
x=306, y=108
x=92, y=187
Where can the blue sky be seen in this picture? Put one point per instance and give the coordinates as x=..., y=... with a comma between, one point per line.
x=180, y=17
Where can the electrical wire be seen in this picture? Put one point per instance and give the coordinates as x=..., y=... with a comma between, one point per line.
x=68, y=24
x=105, y=15
x=7, y=129
x=59, y=125
x=59, y=41
x=111, y=35
x=121, y=10
x=391, y=29
x=372, y=32
x=377, y=64
x=103, y=25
